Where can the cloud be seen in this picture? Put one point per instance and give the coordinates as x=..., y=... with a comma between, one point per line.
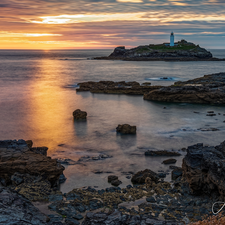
x=109, y=22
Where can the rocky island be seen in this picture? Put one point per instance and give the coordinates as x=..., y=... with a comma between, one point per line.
x=181, y=51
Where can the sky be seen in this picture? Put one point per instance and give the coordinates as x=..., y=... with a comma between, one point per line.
x=98, y=24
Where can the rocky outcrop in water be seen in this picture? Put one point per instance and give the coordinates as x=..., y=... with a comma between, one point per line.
x=111, y=87
x=79, y=115
x=183, y=51
x=17, y=157
x=126, y=129
x=209, y=89
x=161, y=153
x=204, y=169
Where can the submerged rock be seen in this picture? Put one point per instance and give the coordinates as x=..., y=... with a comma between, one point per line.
x=126, y=129
x=161, y=153
x=169, y=161
x=66, y=161
x=79, y=115
x=112, y=177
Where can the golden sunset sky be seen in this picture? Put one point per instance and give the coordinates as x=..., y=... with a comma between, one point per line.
x=96, y=24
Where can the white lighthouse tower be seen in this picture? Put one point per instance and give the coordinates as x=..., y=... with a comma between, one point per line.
x=171, y=39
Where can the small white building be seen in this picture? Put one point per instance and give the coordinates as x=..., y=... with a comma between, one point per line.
x=171, y=44
x=172, y=39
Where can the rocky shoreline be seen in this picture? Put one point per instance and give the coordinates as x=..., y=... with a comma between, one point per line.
x=209, y=89
x=150, y=200
x=111, y=87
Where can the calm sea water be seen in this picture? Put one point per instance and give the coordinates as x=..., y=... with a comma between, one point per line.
x=38, y=96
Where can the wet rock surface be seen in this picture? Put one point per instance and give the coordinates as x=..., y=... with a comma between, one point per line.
x=209, y=89
x=126, y=129
x=116, y=217
x=139, y=177
x=15, y=209
x=16, y=156
x=79, y=115
x=111, y=87
x=204, y=169
x=161, y=153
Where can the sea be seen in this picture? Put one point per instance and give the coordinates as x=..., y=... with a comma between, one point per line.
x=38, y=96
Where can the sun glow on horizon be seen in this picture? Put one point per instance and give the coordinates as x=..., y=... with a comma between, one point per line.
x=11, y=34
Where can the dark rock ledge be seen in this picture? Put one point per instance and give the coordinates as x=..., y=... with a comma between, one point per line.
x=111, y=87
x=209, y=89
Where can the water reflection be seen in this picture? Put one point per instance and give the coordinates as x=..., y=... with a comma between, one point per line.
x=36, y=105
x=80, y=128
x=126, y=141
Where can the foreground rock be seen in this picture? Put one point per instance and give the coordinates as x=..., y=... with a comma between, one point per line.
x=209, y=89
x=15, y=209
x=184, y=51
x=79, y=115
x=140, y=177
x=173, y=202
x=17, y=157
x=204, y=169
x=126, y=129
x=111, y=87
x=116, y=217
x=176, y=173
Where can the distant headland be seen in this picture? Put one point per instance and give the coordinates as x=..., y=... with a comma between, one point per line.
x=179, y=51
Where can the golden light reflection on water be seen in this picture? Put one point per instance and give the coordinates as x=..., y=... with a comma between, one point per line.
x=51, y=115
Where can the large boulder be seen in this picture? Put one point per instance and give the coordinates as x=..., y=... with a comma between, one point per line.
x=204, y=169
x=79, y=115
x=16, y=156
x=140, y=177
x=126, y=129
x=15, y=209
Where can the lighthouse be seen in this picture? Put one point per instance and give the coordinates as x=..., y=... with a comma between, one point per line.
x=171, y=39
